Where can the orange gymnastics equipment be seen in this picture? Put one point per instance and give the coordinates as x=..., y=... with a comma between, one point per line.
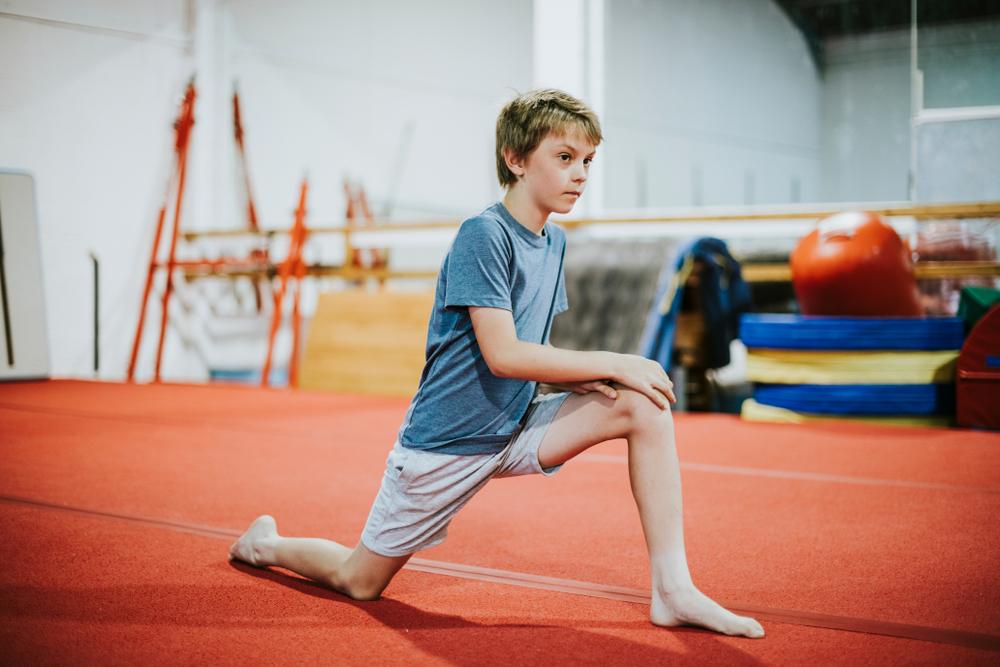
x=292, y=266
x=182, y=130
x=257, y=263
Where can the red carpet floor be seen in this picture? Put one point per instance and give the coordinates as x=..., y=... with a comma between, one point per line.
x=851, y=544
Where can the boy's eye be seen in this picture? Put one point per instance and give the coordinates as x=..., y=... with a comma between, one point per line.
x=564, y=157
x=587, y=161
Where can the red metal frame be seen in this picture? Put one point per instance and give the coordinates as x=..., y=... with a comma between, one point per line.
x=258, y=259
x=292, y=266
x=258, y=254
x=182, y=129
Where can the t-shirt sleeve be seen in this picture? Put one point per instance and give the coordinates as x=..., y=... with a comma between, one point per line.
x=479, y=266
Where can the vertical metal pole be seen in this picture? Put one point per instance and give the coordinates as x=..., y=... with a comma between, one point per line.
x=5, y=305
x=916, y=100
x=97, y=314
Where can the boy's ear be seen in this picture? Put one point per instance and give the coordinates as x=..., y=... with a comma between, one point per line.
x=514, y=161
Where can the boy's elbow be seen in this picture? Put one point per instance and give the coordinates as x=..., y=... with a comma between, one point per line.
x=499, y=367
x=501, y=364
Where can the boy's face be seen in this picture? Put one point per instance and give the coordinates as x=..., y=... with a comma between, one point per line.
x=555, y=173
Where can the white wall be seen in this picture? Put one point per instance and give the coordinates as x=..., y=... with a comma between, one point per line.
x=87, y=96
x=708, y=102
x=88, y=92
x=335, y=89
x=866, y=101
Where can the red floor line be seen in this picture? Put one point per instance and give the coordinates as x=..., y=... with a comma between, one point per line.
x=797, y=474
x=901, y=630
x=208, y=531
x=511, y=579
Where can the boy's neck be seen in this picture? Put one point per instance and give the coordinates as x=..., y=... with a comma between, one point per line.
x=526, y=212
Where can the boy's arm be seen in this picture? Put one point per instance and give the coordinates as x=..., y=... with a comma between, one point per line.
x=602, y=386
x=512, y=358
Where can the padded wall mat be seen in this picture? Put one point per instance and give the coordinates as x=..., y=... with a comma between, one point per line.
x=611, y=285
x=797, y=332
x=805, y=367
x=863, y=399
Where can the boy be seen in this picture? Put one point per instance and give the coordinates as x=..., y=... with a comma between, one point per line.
x=475, y=415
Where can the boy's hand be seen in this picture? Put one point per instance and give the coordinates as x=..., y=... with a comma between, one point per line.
x=587, y=387
x=647, y=377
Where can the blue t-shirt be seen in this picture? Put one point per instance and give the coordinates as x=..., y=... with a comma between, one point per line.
x=460, y=407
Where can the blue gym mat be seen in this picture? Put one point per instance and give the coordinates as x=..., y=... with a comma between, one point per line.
x=798, y=332
x=859, y=399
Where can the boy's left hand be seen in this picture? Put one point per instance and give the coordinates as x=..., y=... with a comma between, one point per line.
x=587, y=387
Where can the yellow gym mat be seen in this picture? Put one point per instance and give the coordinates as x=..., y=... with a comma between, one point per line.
x=811, y=367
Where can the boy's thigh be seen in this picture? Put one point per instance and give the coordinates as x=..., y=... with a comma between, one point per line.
x=584, y=420
x=560, y=426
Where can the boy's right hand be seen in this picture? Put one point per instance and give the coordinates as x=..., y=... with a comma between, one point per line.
x=645, y=376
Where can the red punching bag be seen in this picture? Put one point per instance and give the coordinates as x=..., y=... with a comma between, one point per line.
x=855, y=264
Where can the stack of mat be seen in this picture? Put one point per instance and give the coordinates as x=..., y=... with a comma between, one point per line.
x=886, y=370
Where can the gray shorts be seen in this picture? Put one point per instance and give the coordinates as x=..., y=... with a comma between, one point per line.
x=421, y=491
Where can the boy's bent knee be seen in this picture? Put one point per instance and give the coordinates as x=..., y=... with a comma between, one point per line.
x=366, y=574
x=639, y=411
x=638, y=406
x=365, y=593
x=360, y=588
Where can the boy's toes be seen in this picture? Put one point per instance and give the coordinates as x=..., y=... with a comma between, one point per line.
x=753, y=629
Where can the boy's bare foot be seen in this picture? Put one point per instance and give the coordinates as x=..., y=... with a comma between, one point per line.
x=692, y=607
x=254, y=545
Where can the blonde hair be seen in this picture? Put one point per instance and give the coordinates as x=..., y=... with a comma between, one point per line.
x=527, y=119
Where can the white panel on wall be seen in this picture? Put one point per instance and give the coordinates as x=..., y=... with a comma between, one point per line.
x=960, y=64
x=24, y=339
x=958, y=158
x=560, y=46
